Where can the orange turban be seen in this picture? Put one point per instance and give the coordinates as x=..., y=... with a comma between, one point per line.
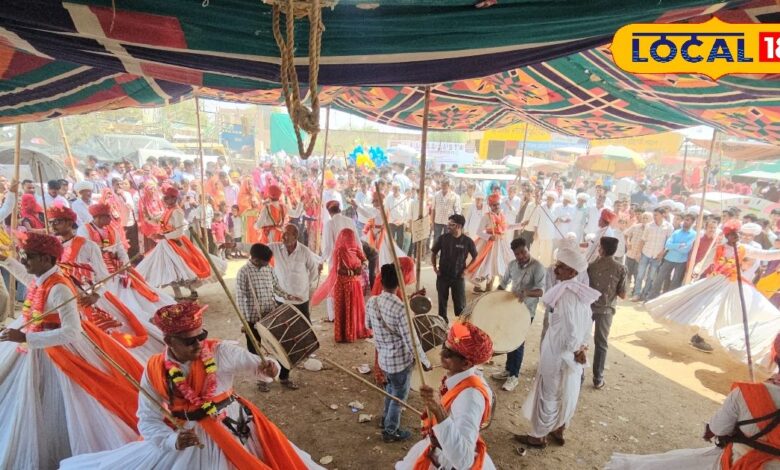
x=732, y=226
x=494, y=199
x=96, y=210
x=607, y=215
x=179, y=318
x=470, y=342
x=274, y=192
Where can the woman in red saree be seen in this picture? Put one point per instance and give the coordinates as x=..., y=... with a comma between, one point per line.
x=345, y=286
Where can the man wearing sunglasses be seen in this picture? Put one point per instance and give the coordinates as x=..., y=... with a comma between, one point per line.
x=194, y=378
x=451, y=429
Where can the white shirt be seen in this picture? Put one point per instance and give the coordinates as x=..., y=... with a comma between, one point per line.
x=445, y=206
x=543, y=221
x=297, y=271
x=331, y=231
x=70, y=322
x=132, y=207
x=397, y=209
x=474, y=218
x=567, y=213
x=81, y=209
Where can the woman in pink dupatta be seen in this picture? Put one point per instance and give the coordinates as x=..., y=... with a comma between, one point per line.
x=345, y=286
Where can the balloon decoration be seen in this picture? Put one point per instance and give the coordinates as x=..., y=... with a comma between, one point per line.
x=372, y=157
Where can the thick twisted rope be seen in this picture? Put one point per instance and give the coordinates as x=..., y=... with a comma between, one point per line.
x=302, y=117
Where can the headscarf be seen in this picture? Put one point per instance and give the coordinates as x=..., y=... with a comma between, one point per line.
x=29, y=207
x=179, y=318
x=347, y=254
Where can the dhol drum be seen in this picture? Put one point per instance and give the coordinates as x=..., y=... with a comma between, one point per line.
x=287, y=334
x=434, y=377
x=502, y=317
x=432, y=331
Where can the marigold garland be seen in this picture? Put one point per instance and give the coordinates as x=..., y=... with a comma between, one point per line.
x=204, y=399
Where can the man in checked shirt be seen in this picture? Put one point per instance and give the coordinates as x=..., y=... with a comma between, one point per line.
x=256, y=286
x=386, y=316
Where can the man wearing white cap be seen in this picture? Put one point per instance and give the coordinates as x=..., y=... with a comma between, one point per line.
x=474, y=215
x=81, y=205
x=564, y=214
x=546, y=231
x=553, y=399
x=581, y=215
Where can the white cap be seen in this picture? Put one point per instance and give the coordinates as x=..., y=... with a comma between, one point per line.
x=694, y=210
x=570, y=255
x=551, y=194
x=82, y=185
x=583, y=197
x=679, y=206
x=569, y=195
x=751, y=229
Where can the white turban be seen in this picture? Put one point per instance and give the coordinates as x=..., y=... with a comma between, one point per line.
x=679, y=207
x=570, y=255
x=82, y=185
x=666, y=203
x=694, y=210
x=583, y=197
x=568, y=196
x=751, y=229
x=551, y=194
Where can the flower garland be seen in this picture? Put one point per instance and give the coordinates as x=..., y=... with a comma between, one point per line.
x=33, y=306
x=209, y=384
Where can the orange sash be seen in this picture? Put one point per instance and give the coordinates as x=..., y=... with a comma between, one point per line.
x=110, y=388
x=496, y=228
x=760, y=403
x=182, y=246
x=373, y=239
x=278, y=453
x=423, y=462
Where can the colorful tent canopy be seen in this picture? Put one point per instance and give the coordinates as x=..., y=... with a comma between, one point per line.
x=61, y=58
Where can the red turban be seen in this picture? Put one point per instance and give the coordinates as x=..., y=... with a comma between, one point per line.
x=160, y=174
x=331, y=205
x=41, y=243
x=732, y=226
x=607, y=215
x=330, y=183
x=96, y=210
x=62, y=213
x=170, y=191
x=470, y=342
x=179, y=318
x=494, y=199
x=274, y=192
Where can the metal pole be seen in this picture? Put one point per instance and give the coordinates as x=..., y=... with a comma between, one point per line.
x=43, y=196
x=203, y=230
x=68, y=153
x=685, y=161
x=700, y=218
x=744, y=311
x=15, y=218
x=421, y=189
x=401, y=286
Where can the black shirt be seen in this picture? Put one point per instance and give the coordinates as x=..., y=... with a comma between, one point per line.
x=452, y=261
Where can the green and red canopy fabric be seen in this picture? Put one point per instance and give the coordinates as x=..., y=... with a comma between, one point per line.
x=61, y=58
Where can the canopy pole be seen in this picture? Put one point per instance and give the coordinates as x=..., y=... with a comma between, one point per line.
x=203, y=230
x=68, y=153
x=744, y=311
x=15, y=218
x=43, y=196
x=522, y=157
x=700, y=218
x=322, y=181
x=421, y=189
x=685, y=162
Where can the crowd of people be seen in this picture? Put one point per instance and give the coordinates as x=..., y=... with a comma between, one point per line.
x=572, y=243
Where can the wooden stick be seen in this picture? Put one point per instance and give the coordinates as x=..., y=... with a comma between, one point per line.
x=68, y=153
x=522, y=158
x=700, y=218
x=421, y=189
x=215, y=272
x=373, y=387
x=401, y=286
x=322, y=182
x=94, y=287
x=175, y=421
x=43, y=197
x=15, y=218
x=744, y=312
x=204, y=232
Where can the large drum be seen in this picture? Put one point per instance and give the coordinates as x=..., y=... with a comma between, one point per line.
x=287, y=334
x=502, y=317
x=432, y=331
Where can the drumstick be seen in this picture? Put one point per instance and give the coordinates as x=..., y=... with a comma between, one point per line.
x=94, y=287
x=402, y=287
x=373, y=387
x=247, y=328
x=135, y=384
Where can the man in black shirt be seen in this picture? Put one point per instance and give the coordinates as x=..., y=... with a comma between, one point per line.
x=454, y=247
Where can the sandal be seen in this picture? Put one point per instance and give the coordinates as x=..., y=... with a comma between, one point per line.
x=558, y=437
x=263, y=386
x=531, y=441
x=289, y=383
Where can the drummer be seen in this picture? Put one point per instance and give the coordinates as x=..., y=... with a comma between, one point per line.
x=526, y=275
x=256, y=290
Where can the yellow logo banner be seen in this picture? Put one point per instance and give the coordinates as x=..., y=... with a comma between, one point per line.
x=713, y=48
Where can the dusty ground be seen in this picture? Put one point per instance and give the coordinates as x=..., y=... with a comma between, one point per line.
x=659, y=393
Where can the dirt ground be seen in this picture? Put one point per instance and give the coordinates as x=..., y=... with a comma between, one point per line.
x=659, y=393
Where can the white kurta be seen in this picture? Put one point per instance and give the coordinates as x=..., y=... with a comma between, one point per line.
x=81, y=209
x=297, y=271
x=546, y=234
x=473, y=218
x=331, y=231
x=457, y=435
x=497, y=260
x=564, y=215
x=722, y=423
x=46, y=416
x=90, y=254
x=553, y=398
x=158, y=449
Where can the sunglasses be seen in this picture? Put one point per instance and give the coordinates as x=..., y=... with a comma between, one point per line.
x=449, y=353
x=194, y=339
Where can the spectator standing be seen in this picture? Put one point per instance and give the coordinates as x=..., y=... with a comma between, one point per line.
x=455, y=247
x=445, y=204
x=653, y=243
x=678, y=248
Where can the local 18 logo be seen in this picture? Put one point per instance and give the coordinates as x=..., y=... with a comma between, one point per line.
x=713, y=48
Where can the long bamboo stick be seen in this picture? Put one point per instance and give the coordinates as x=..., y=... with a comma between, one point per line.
x=15, y=218
x=744, y=312
x=700, y=218
x=43, y=197
x=204, y=230
x=68, y=153
x=421, y=189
